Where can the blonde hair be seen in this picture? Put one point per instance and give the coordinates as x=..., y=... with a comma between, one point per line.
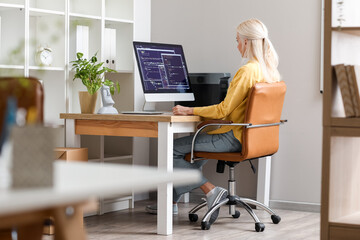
x=260, y=48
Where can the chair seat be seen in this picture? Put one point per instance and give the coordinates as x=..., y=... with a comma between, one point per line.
x=225, y=156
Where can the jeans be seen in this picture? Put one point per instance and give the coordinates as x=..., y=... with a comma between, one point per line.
x=225, y=142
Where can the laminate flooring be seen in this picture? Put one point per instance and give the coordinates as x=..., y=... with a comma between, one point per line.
x=137, y=224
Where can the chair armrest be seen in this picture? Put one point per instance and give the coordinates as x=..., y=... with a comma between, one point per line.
x=208, y=123
x=267, y=124
x=227, y=123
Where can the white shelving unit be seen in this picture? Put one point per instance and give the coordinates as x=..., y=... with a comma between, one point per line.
x=27, y=25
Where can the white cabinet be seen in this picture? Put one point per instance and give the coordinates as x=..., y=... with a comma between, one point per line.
x=29, y=25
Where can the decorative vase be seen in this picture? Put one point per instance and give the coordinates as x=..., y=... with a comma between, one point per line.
x=87, y=102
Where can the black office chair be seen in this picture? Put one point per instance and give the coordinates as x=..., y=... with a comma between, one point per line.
x=260, y=138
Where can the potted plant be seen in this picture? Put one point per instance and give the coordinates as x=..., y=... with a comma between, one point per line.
x=91, y=73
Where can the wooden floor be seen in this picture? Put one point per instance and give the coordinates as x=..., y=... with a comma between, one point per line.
x=137, y=224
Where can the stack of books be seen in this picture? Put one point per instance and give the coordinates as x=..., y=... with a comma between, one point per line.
x=347, y=77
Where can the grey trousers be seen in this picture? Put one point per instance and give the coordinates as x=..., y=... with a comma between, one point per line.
x=225, y=142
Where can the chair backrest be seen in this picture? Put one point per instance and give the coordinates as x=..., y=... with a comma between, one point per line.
x=28, y=92
x=264, y=105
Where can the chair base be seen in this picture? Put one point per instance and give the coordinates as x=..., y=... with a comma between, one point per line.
x=232, y=200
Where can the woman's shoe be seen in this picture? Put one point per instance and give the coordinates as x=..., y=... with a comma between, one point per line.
x=217, y=195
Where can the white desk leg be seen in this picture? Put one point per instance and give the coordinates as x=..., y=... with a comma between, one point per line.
x=71, y=139
x=165, y=190
x=185, y=198
x=102, y=157
x=263, y=184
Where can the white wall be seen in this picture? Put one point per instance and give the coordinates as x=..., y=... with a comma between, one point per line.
x=206, y=29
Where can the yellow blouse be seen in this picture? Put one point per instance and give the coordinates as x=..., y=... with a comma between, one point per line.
x=232, y=108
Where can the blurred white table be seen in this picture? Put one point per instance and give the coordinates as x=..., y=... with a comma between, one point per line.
x=74, y=184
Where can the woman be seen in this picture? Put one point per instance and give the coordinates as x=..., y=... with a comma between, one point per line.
x=261, y=66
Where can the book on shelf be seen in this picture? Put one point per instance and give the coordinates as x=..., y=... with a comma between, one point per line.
x=342, y=80
x=353, y=75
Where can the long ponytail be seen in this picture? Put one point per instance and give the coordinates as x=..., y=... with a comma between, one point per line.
x=260, y=48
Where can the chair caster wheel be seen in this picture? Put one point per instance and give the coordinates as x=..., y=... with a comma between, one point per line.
x=193, y=217
x=275, y=219
x=259, y=227
x=236, y=215
x=205, y=225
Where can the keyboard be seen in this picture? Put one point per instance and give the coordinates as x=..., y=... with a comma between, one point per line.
x=142, y=112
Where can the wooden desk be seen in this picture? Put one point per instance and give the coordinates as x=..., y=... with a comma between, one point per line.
x=75, y=183
x=161, y=126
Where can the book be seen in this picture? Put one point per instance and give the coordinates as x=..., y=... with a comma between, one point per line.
x=353, y=75
x=341, y=76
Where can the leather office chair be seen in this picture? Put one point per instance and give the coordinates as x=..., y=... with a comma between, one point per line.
x=28, y=93
x=260, y=138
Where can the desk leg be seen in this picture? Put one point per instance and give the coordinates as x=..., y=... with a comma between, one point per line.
x=165, y=194
x=71, y=139
x=263, y=184
x=69, y=223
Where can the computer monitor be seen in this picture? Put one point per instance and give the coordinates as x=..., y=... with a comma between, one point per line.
x=163, y=72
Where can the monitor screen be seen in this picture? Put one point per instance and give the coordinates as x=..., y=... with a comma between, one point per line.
x=162, y=68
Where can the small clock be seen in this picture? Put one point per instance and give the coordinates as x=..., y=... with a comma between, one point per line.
x=44, y=56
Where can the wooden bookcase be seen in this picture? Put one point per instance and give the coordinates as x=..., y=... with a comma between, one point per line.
x=340, y=196
x=26, y=25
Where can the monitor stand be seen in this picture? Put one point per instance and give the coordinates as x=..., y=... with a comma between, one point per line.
x=149, y=106
x=148, y=109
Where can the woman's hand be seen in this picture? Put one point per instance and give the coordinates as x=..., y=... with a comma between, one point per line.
x=181, y=110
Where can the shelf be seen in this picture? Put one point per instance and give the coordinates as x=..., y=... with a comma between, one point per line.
x=345, y=122
x=11, y=67
x=123, y=71
x=115, y=20
x=112, y=158
x=77, y=15
x=352, y=219
x=347, y=30
x=127, y=71
x=9, y=5
x=46, y=68
x=44, y=12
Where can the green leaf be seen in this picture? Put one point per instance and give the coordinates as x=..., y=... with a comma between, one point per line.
x=109, y=83
x=112, y=90
x=79, y=55
x=117, y=87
